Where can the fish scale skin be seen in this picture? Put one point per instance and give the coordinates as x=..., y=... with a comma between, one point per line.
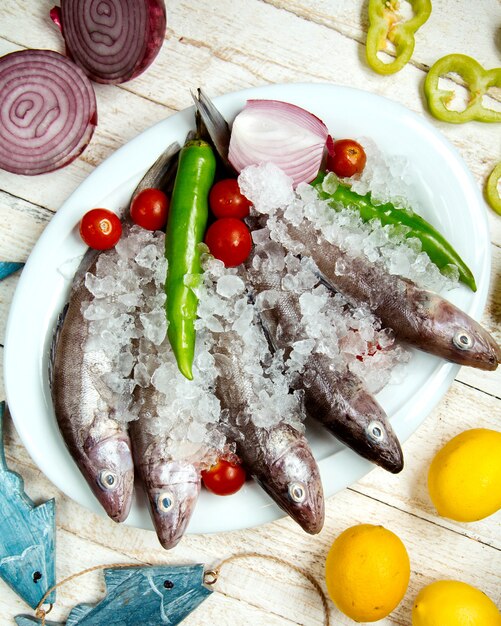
x=338, y=400
x=423, y=319
x=276, y=457
x=94, y=438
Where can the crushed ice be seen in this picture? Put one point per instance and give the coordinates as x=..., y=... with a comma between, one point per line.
x=126, y=312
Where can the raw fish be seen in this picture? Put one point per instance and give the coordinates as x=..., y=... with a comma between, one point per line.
x=85, y=407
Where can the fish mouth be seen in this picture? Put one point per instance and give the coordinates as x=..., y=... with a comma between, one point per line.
x=110, y=473
x=173, y=488
x=295, y=485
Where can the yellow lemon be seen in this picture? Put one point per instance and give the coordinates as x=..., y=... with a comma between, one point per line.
x=453, y=603
x=464, y=479
x=367, y=572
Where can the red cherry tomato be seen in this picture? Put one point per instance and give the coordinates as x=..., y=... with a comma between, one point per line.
x=346, y=157
x=224, y=478
x=149, y=209
x=100, y=229
x=226, y=199
x=229, y=240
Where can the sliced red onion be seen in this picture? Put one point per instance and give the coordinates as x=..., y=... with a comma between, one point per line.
x=47, y=111
x=113, y=40
x=280, y=133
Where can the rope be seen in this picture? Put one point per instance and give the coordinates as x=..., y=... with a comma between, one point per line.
x=211, y=576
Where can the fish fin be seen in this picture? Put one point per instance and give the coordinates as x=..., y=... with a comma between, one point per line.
x=7, y=268
x=27, y=620
x=78, y=613
x=55, y=339
x=215, y=124
x=3, y=462
x=46, y=511
x=162, y=173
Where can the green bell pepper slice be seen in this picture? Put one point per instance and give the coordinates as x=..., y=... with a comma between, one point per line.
x=478, y=80
x=386, y=24
x=491, y=190
x=433, y=243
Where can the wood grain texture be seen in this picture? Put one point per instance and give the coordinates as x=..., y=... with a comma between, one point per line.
x=227, y=46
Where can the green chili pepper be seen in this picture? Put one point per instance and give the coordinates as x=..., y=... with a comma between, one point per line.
x=432, y=242
x=186, y=224
x=491, y=191
x=386, y=24
x=478, y=81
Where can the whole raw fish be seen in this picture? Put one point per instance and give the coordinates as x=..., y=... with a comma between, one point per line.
x=337, y=399
x=419, y=317
x=172, y=485
x=278, y=457
x=85, y=408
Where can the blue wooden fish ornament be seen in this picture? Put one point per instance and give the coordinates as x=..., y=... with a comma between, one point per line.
x=140, y=596
x=7, y=268
x=27, y=536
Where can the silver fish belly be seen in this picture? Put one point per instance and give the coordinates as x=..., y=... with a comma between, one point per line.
x=278, y=458
x=419, y=317
x=337, y=399
x=96, y=438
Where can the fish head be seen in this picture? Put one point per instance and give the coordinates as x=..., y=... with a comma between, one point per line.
x=466, y=342
x=30, y=574
x=173, y=488
x=110, y=473
x=293, y=479
x=181, y=588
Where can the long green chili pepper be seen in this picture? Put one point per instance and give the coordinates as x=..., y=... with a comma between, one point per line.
x=386, y=24
x=186, y=224
x=478, y=82
x=433, y=243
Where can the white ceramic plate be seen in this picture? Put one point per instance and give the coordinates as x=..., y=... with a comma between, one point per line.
x=445, y=189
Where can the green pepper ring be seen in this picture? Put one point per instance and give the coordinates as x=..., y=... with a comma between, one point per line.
x=478, y=80
x=491, y=189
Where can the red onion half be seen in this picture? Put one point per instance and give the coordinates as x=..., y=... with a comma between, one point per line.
x=113, y=40
x=47, y=111
x=270, y=131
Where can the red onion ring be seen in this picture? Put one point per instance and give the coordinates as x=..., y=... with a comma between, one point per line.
x=271, y=131
x=47, y=111
x=113, y=40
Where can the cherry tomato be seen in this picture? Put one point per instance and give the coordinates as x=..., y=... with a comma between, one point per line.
x=226, y=199
x=345, y=157
x=149, y=209
x=224, y=478
x=100, y=229
x=229, y=240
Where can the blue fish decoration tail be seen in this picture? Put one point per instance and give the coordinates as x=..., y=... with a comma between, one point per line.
x=7, y=268
x=27, y=536
x=145, y=596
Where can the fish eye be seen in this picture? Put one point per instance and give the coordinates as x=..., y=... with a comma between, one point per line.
x=297, y=492
x=165, y=502
x=375, y=431
x=168, y=584
x=108, y=480
x=36, y=577
x=462, y=340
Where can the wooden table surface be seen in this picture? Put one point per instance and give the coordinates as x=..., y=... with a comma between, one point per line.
x=226, y=46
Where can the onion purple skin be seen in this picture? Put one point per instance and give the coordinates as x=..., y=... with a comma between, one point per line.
x=93, y=46
x=48, y=112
